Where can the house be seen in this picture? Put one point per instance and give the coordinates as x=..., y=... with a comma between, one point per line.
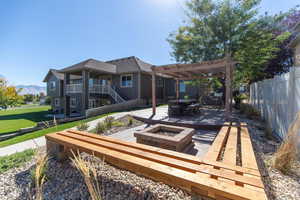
x=92, y=83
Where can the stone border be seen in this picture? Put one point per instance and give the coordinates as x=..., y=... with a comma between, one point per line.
x=177, y=143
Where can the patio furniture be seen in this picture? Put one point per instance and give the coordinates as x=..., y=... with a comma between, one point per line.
x=193, y=108
x=179, y=106
x=214, y=176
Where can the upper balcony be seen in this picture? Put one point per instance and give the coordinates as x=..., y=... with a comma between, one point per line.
x=95, y=88
x=74, y=88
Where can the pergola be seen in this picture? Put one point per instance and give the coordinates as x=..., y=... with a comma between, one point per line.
x=208, y=69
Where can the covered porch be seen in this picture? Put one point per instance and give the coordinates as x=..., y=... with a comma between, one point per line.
x=221, y=68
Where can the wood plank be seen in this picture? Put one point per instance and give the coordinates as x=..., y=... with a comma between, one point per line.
x=228, y=175
x=248, y=156
x=159, y=172
x=237, y=169
x=230, y=151
x=172, y=154
x=216, y=147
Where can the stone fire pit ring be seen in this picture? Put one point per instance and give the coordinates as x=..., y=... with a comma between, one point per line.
x=167, y=137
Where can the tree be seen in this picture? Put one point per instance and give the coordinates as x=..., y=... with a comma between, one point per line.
x=217, y=28
x=9, y=95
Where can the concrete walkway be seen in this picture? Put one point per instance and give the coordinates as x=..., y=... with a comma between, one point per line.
x=161, y=113
x=22, y=146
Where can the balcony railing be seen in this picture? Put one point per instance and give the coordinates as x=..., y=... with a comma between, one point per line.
x=74, y=88
x=99, y=89
x=96, y=89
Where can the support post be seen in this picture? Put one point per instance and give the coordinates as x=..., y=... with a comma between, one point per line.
x=153, y=93
x=85, y=91
x=228, y=91
x=66, y=97
x=177, y=89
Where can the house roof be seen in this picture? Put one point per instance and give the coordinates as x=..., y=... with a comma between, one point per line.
x=91, y=64
x=55, y=73
x=130, y=64
x=118, y=66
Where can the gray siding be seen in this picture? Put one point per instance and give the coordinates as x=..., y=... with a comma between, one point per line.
x=165, y=92
x=60, y=107
x=56, y=93
x=128, y=93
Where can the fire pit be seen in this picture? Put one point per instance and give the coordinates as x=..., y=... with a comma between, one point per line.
x=167, y=137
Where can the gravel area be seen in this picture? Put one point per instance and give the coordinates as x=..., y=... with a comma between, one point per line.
x=65, y=182
x=278, y=185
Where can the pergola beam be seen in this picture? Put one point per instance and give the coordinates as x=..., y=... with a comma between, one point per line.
x=190, y=67
x=184, y=72
x=187, y=78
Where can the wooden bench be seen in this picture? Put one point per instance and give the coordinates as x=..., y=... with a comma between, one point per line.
x=210, y=176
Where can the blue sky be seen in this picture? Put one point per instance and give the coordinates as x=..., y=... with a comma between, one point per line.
x=37, y=35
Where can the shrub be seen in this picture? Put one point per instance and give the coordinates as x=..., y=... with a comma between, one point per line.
x=82, y=127
x=100, y=127
x=88, y=170
x=249, y=111
x=38, y=174
x=130, y=121
x=286, y=155
x=15, y=160
x=109, y=122
x=268, y=131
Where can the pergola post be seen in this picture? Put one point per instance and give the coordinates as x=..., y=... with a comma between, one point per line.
x=228, y=95
x=153, y=93
x=177, y=89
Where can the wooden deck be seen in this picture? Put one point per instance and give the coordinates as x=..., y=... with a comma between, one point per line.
x=218, y=175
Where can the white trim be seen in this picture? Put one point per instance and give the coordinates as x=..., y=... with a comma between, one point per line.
x=121, y=76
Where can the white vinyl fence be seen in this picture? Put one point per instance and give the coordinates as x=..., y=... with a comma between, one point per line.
x=278, y=99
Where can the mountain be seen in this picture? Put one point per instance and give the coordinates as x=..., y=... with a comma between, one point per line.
x=1, y=76
x=31, y=89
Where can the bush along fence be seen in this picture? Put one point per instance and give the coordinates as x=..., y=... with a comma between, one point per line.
x=39, y=126
x=278, y=100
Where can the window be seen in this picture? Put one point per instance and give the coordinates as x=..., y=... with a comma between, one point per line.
x=91, y=82
x=181, y=86
x=52, y=85
x=126, y=80
x=160, y=82
x=56, y=102
x=73, y=102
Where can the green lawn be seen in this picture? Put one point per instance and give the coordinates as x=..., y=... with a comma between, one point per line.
x=15, y=160
x=13, y=120
x=39, y=133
